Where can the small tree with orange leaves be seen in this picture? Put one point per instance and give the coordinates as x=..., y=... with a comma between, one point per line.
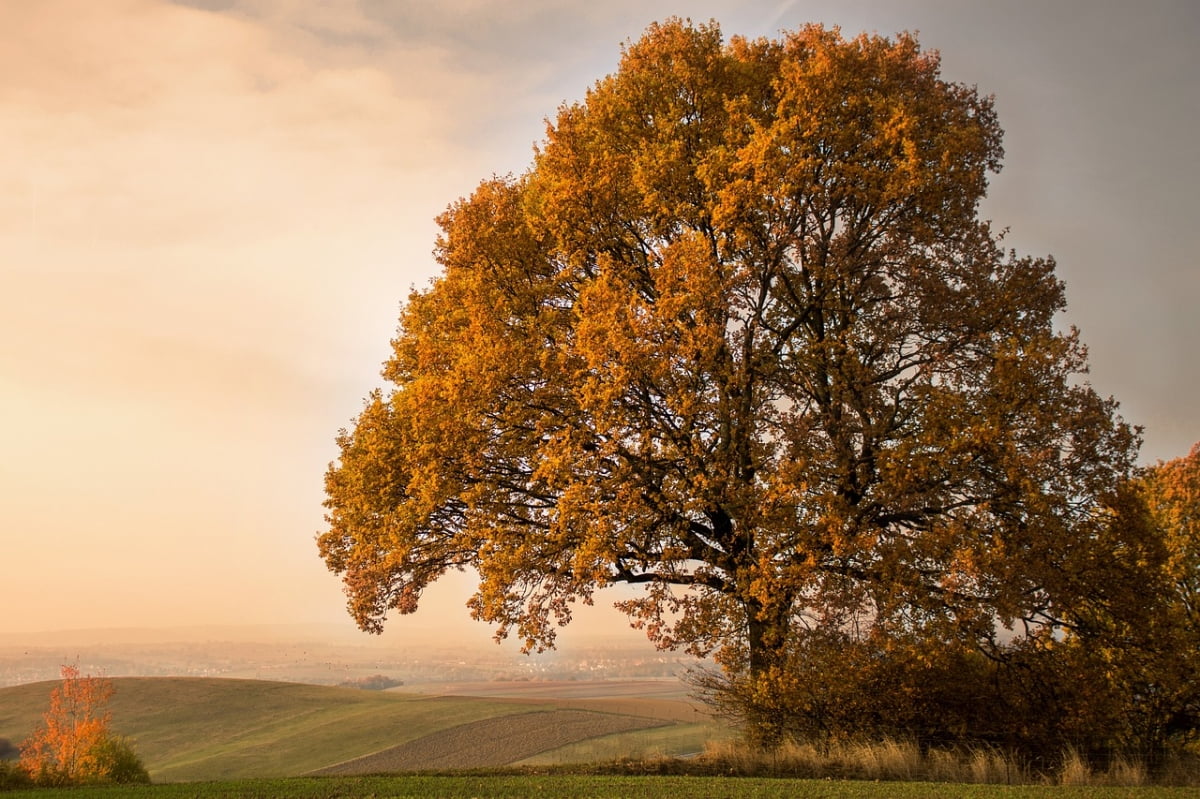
x=75, y=744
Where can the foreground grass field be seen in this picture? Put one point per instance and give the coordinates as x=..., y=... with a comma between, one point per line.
x=594, y=787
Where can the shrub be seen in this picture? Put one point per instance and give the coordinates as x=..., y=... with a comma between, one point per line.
x=376, y=682
x=13, y=776
x=117, y=762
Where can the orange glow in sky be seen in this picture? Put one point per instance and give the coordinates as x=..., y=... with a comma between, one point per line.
x=210, y=212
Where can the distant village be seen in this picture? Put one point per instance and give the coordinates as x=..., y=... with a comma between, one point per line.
x=326, y=664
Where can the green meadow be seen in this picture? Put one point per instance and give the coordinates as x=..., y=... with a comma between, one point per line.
x=594, y=787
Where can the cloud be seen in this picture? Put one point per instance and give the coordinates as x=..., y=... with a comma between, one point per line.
x=204, y=241
x=210, y=210
x=208, y=177
x=160, y=123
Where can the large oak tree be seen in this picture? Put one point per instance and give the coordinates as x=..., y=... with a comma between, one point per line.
x=738, y=337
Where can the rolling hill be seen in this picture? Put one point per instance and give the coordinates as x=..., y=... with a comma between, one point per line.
x=205, y=728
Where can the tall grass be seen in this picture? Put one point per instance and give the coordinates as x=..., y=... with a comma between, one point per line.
x=883, y=760
x=899, y=760
x=1122, y=771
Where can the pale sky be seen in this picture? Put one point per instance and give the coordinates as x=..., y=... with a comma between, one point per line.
x=210, y=211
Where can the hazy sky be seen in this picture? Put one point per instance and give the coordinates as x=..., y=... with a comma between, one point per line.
x=210, y=211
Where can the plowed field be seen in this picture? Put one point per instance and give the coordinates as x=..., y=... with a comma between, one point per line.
x=493, y=742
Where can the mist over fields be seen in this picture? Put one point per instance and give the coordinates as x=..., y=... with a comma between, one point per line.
x=322, y=656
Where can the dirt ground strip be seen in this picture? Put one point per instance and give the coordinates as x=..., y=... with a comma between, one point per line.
x=493, y=742
x=659, y=688
x=666, y=699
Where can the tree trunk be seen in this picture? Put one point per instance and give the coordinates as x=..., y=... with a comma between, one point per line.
x=766, y=636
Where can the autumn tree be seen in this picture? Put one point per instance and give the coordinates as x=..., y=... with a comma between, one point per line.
x=75, y=744
x=739, y=338
x=1146, y=655
x=1171, y=491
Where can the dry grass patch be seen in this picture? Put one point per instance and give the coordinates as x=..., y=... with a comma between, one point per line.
x=903, y=761
x=1122, y=771
x=891, y=760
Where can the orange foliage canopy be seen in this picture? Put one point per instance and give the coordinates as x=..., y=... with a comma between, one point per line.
x=738, y=338
x=1172, y=492
x=1139, y=641
x=1169, y=658
x=67, y=748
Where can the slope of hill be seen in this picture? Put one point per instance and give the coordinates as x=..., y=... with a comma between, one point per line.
x=201, y=729
x=495, y=741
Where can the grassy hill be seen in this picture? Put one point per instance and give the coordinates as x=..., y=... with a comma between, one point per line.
x=204, y=729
